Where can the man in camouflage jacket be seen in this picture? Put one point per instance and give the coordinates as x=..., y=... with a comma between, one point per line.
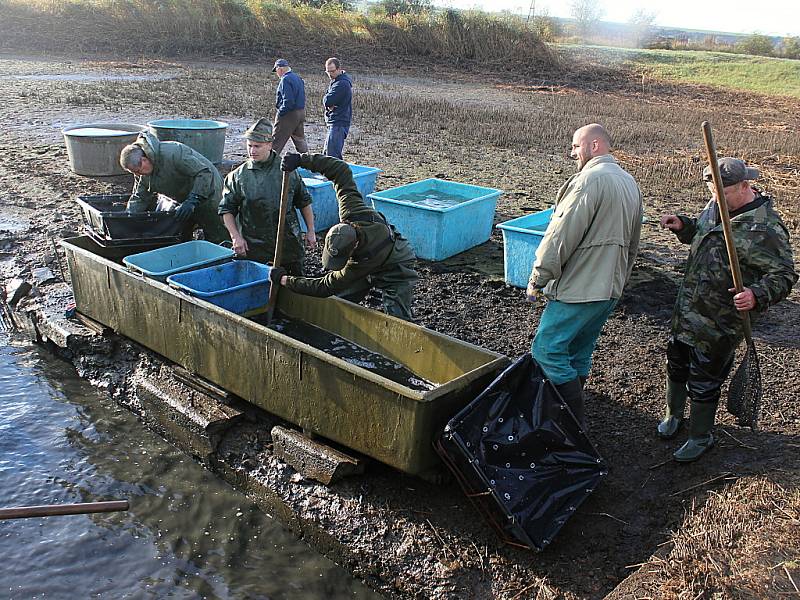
x=361, y=252
x=178, y=172
x=707, y=324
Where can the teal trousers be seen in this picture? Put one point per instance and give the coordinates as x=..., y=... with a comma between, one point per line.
x=566, y=337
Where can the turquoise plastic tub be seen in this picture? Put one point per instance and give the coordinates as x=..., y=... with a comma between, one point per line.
x=324, y=205
x=205, y=136
x=160, y=264
x=240, y=286
x=521, y=238
x=440, y=218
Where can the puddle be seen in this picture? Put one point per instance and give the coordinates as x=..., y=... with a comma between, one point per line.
x=85, y=77
x=13, y=224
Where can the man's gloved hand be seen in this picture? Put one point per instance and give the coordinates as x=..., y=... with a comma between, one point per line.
x=290, y=162
x=187, y=208
x=275, y=275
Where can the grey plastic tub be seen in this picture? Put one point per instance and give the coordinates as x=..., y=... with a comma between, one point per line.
x=205, y=136
x=93, y=148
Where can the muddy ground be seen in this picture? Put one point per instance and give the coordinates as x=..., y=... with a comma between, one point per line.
x=403, y=536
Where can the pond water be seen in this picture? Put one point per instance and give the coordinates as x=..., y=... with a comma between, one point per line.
x=186, y=535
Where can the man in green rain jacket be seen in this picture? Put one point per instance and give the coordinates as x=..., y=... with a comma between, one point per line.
x=707, y=320
x=362, y=252
x=178, y=172
x=252, y=194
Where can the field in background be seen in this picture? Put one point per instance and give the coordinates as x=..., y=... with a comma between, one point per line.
x=771, y=76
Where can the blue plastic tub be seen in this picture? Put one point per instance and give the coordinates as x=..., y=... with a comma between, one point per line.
x=204, y=135
x=324, y=205
x=160, y=264
x=440, y=218
x=521, y=238
x=240, y=286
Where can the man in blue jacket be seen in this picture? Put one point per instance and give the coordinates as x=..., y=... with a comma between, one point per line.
x=290, y=102
x=338, y=103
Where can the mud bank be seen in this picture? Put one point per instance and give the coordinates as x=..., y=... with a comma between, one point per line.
x=404, y=537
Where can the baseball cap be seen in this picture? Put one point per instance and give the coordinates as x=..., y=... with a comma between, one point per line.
x=281, y=62
x=339, y=245
x=260, y=131
x=733, y=171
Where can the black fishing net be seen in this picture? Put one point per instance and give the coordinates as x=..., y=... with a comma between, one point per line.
x=521, y=457
x=744, y=391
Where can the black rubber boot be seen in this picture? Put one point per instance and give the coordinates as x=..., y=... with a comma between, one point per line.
x=572, y=393
x=676, y=404
x=701, y=440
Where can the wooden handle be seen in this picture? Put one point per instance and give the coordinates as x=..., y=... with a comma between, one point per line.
x=24, y=512
x=276, y=261
x=733, y=257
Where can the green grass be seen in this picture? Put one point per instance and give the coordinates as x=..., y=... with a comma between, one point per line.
x=771, y=76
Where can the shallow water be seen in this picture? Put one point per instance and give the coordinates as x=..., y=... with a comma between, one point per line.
x=88, y=77
x=348, y=351
x=97, y=132
x=432, y=198
x=186, y=535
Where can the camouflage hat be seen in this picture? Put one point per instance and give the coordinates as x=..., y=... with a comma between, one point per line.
x=260, y=131
x=339, y=245
x=733, y=171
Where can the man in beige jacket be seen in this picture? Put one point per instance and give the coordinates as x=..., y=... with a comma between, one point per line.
x=583, y=262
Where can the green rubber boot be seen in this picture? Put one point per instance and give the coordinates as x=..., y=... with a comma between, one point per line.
x=673, y=416
x=701, y=440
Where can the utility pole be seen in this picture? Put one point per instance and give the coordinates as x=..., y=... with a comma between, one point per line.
x=531, y=11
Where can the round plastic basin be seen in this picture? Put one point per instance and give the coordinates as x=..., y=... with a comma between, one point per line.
x=93, y=148
x=205, y=136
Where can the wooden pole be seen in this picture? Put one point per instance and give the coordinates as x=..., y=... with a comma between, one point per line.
x=276, y=261
x=733, y=258
x=51, y=510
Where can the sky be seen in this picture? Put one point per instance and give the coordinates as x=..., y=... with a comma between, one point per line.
x=770, y=17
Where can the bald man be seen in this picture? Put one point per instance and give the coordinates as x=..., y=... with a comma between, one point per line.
x=583, y=262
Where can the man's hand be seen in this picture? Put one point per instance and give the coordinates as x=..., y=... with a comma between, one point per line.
x=311, y=239
x=744, y=300
x=671, y=222
x=187, y=207
x=533, y=294
x=290, y=162
x=240, y=245
x=277, y=276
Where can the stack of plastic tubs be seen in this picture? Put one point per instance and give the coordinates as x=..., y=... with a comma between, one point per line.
x=108, y=223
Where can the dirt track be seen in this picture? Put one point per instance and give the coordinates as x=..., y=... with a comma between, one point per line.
x=645, y=496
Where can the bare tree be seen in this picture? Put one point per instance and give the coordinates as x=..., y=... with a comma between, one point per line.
x=641, y=26
x=587, y=13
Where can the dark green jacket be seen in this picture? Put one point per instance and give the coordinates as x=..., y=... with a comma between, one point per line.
x=252, y=193
x=704, y=315
x=373, y=255
x=178, y=170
